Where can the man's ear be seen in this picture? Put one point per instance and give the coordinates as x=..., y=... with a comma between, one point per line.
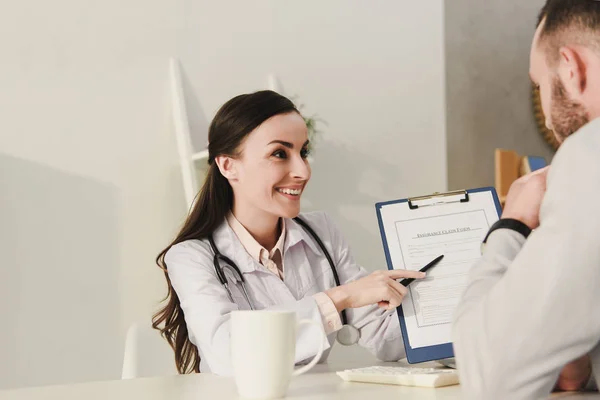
x=227, y=167
x=572, y=71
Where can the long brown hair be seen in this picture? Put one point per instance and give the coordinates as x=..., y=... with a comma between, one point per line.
x=235, y=120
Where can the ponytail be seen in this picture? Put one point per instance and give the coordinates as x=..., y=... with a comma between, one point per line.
x=214, y=201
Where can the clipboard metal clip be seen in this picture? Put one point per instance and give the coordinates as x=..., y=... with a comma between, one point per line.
x=438, y=198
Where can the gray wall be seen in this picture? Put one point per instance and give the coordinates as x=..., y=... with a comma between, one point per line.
x=86, y=93
x=487, y=87
x=59, y=236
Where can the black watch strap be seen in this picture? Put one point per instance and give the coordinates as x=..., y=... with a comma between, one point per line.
x=509, y=223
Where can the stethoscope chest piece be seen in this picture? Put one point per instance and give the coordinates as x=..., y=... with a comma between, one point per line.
x=348, y=335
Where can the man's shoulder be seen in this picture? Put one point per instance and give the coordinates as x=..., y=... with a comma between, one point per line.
x=579, y=154
x=584, y=142
x=574, y=176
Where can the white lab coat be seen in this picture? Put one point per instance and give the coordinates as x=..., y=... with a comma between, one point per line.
x=207, y=307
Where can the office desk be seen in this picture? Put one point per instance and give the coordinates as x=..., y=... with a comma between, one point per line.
x=319, y=384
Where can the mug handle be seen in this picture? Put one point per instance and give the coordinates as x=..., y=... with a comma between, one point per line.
x=316, y=358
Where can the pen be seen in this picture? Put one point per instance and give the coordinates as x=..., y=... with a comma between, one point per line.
x=407, y=281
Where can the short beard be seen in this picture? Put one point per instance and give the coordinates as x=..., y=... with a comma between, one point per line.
x=567, y=115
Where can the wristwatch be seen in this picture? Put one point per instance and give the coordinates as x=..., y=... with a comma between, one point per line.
x=508, y=223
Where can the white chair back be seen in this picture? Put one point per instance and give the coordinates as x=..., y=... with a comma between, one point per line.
x=147, y=353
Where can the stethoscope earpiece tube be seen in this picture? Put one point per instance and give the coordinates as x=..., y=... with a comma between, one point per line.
x=329, y=260
x=220, y=274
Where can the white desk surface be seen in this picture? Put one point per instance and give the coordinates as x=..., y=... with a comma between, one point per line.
x=321, y=383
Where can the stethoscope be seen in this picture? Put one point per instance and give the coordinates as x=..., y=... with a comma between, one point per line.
x=347, y=335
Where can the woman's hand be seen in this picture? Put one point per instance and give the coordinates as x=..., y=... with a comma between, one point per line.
x=379, y=288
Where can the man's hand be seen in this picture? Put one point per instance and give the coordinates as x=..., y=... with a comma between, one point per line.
x=525, y=197
x=575, y=374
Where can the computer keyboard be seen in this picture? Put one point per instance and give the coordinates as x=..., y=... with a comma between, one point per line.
x=406, y=376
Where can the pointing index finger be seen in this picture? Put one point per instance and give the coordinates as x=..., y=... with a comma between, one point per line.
x=404, y=273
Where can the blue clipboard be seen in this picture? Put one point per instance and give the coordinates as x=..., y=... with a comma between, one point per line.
x=442, y=351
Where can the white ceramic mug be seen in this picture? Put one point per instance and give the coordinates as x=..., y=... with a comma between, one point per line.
x=263, y=348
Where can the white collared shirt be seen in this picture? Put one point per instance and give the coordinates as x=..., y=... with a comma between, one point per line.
x=273, y=259
x=207, y=307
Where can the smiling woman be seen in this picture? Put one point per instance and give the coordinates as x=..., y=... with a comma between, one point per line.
x=244, y=246
x=268, y=174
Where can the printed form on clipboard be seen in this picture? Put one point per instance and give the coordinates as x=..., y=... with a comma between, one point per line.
x=414, y=231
